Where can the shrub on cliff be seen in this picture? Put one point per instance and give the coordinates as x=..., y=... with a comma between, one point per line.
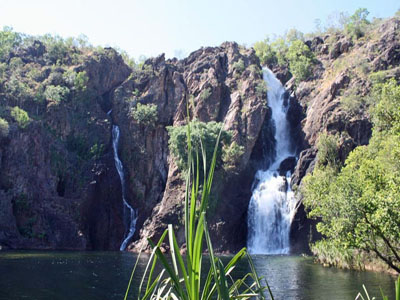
x=8, y=41
x=358, y=205
x=357, y=24
x=203, y=135
x=300, y=59
x=4, y=129
x=145, y=114
x=327, y=150
x=20, y=116
x=56, y=93
x=239, y=66
x=231, y=155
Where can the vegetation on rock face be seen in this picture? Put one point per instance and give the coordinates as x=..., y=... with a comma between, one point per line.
x=300, y=60
x=56, y=94
x=4, y=128
x=357, y=23
x=290, y=51
x=358, y=203
x=20, y=116
x=145, y=114
x=203, y=135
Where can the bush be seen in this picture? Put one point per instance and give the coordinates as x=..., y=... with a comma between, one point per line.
x=351, y=103
x=145, y=114
x=8, y=41
x=301, y=60
x=265, y=52
x=4, y=129
x=57, y=50
x=56, y=93
x=239, y=66
x=20, y=116
x=205, y=133
x=77, y=80
x=386, y=114
x=357, y=25
x=18, y=89
x=327, y=150
x=261, y=89
x=231, y=155
x=205, y=94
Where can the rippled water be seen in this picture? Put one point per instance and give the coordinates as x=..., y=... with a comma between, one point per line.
x=104, y=275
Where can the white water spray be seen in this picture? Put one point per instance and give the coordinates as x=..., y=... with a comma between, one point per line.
x=129, y=213
x=272, y=205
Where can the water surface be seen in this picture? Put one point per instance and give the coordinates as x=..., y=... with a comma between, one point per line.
x=104, y=275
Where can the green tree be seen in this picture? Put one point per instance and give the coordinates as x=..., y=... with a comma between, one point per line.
x=327, y=150
x=8, y=41
x=56, y=93
x=386, y=114
x=4, y=129
x=265, y=52
x=300, y=59
x=201, y=133
x=359, y=205
x=357, y=23
x=145, y=114
x=20, y=116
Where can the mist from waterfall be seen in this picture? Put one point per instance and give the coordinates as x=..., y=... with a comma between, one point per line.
x=272, y=205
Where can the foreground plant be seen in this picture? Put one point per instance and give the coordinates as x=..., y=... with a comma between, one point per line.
x=181, y=276
x=366, y=296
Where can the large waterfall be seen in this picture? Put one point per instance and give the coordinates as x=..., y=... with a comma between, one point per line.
x=129, y=213
x=272, y=205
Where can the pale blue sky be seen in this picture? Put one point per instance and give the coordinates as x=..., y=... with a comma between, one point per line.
x=150, y=27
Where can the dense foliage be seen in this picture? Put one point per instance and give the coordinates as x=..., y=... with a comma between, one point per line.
x=358, y=204
x=289, y=51
x=20, y=116
x=4, y=128
x=145, y=114
x=204, y=135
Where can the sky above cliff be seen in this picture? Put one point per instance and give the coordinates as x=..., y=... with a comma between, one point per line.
x=175, y=27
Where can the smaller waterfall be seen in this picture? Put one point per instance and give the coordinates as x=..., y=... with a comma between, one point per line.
x=272, y=205
x=130, y=216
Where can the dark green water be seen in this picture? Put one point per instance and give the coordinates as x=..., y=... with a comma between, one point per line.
x=104, y=275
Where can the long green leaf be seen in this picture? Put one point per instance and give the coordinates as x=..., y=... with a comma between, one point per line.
x=256, y=279
x=171, y=273
x=133, y=272
x=181, y=264
x=152, y=258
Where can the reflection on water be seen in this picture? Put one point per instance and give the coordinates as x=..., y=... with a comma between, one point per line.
x=104, y=275
x=292, y=277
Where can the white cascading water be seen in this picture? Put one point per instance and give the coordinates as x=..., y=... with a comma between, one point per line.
x=129, y=213
x=272, y=204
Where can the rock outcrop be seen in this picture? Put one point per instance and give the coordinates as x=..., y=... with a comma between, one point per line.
x=335, y=100
x=59, y=188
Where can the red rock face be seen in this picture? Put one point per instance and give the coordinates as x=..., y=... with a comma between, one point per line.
x=58, y=192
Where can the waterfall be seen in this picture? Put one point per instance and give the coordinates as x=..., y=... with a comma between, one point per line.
x=130, y=216
x=272, y=204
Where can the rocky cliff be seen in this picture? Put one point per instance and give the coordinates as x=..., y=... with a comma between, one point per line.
x=59, y=188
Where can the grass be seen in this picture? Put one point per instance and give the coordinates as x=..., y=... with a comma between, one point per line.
x=181, y=275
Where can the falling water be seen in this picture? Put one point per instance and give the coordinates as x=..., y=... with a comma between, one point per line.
x=272, y=205
x=129, y=213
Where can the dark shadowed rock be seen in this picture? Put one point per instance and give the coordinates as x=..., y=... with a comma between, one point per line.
x=286, y=165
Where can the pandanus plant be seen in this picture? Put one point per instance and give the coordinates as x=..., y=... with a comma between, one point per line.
x=181, y=275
